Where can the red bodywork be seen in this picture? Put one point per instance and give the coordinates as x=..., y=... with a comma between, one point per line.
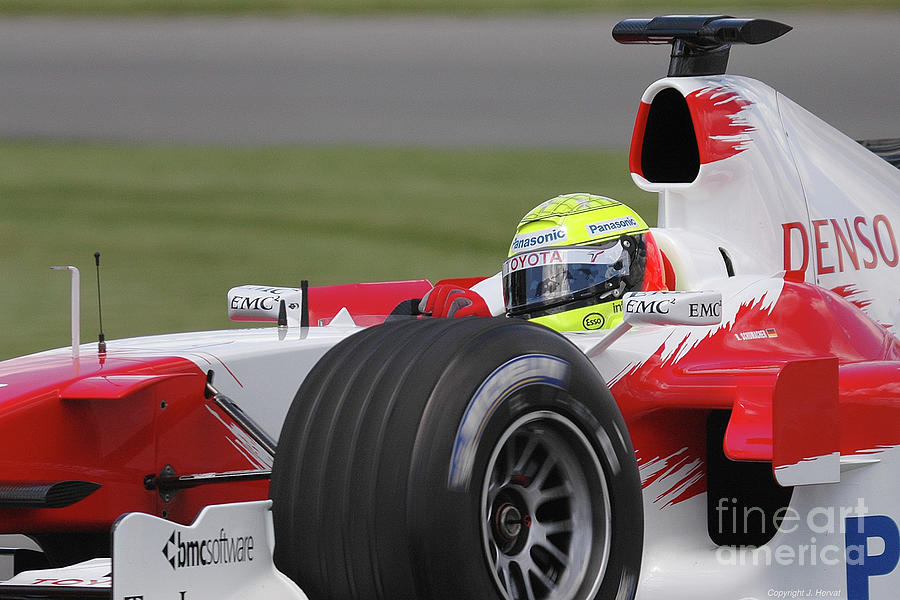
x=666, y=402
x=74, y=423
x=115, y=419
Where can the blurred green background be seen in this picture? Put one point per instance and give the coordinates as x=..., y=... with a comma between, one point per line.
x=476, y=7
x=177, y=226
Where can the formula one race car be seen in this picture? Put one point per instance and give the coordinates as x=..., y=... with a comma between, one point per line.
x=735, y=437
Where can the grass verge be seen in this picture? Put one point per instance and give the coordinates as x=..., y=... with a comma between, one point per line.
x=178, y=226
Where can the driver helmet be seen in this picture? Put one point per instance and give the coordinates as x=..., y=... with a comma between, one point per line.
x=574, y=257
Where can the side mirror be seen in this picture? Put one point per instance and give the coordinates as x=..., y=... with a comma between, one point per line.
x=663, y=308
x=262, y=303
x=672, y=308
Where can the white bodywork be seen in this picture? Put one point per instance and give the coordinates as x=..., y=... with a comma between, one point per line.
x=225, y=554
x=817, y=183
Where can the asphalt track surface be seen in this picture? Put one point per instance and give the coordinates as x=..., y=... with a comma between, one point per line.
x=438, y=81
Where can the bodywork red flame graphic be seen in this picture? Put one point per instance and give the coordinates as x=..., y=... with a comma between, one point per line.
x=683, y=471
x=720, y=121
x=853, y=295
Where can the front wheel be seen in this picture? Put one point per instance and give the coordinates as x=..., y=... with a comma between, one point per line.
x=473, y=458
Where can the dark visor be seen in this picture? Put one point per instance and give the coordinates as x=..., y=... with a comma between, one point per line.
x=557, y=275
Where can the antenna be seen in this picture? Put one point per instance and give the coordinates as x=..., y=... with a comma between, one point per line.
x=101, y=339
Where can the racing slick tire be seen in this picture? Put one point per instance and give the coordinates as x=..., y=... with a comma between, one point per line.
x=457, y=458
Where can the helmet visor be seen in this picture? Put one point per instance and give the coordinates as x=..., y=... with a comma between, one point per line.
x=544, y=278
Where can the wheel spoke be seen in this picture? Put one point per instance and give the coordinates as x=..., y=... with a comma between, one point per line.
x=561, y=557
x=554, y=493
x=553, y=527
x=503, y=564
x=510, y=454
x=545, y=581
x=529, y=588
x=540, y=538
x=543, y=472
x=498, y=478
x=507, y=583
x=530, y=447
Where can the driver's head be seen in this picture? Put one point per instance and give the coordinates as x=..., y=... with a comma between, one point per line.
x=574, y=257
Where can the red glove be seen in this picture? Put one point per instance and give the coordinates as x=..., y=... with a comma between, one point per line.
x=449, y=301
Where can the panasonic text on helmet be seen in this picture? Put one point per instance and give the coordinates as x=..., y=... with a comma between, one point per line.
x=611, y=225
x=537, y=239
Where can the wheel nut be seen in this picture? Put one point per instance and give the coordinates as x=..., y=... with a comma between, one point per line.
x=510, y=521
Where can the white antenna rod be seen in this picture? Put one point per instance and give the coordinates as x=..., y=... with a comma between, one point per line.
x=76, y=307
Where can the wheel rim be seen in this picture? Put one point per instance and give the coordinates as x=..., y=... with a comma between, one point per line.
x=546, y=516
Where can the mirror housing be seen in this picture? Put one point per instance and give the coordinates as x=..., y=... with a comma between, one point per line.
x=702, y=308
x=261, y=303
x=672, y=308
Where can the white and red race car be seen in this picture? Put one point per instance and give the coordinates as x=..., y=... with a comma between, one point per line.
x=737, y=437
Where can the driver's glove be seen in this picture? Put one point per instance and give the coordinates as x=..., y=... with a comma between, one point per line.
x=450, y=301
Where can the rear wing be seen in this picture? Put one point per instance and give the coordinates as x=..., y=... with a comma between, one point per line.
x=700, y=43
